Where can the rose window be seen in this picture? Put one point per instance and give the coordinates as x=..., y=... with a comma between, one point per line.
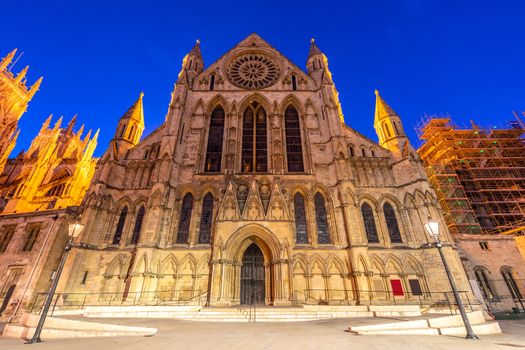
x=253, y=71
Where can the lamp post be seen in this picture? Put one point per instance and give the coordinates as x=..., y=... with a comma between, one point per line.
x=74, y=230
x=432, y=227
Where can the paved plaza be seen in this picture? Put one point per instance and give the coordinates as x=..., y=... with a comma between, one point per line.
x=330, y=334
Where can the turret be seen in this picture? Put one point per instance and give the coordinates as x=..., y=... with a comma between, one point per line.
x=192, y=65
x=7, y=60
x=389, y=129
x=129, y=128
x=317, y=64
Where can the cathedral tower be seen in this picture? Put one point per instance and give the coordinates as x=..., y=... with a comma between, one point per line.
x=14, y=98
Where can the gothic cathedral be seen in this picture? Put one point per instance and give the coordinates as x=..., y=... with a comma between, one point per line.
x=254, y=190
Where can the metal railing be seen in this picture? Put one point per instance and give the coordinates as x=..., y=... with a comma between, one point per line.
x=426, y=300
x=73, y=301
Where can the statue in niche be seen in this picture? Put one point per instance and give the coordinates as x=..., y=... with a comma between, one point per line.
x=229, y=211
x=275, y=121
x=264, y=191
x=277, y=211
x=253, y=211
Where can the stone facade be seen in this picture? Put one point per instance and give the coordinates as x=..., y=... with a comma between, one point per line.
x=31, y=245
x=254, y=187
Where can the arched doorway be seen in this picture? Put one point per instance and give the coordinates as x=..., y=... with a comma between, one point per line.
x=252, y=276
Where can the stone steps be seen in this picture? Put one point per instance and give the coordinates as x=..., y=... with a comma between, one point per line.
x=448, y=325
x=64, y=328
x=242, y=314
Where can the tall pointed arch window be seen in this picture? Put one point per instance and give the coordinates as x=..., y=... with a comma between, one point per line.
x=294, y=83
x=483, y=282
x=212, y=82
x=508, y=276
x=206, y=219
x=185, y=219
x=370, y=223
x=254, y=139
x=215, y=136
x=120, y=225
x=301, y=234
x=294, y=149
x=138, y=226
x=323, y=233
x=391, y=223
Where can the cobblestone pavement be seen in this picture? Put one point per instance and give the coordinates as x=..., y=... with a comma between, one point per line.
x=317, y=335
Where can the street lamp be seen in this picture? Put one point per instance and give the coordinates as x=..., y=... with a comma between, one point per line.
x=432, y=227
x=74, y=230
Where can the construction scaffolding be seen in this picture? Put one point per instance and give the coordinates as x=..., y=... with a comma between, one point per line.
x=478, y=173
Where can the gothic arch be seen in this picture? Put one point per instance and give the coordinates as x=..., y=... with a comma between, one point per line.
x=316, y=259
x=169, y=262
x=411, y=263
x=141, y=266
x=116, y=267
x=292, y=100
x=218, y=100
x=335, y=261
x=246, y=235
x=199, y=107
x=378, y=263
x=301, y=261
x=188, y=261
x=395, y=263
x=261, y=99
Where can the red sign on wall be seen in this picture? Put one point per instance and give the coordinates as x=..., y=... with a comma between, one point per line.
x=397, y=288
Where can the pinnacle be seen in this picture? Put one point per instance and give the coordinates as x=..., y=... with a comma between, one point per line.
x=314, y=50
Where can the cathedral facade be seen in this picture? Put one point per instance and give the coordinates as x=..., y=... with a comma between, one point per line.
x=254, y=190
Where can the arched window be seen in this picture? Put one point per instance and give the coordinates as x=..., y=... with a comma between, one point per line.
x=185, y=219
x=120, y=225
x=313, y=64
x=352, y=153
x=301, y=235
x=323, y=234
x=294, y=83
x=508, y=276
x=387, y=129
x=363, y=152
x=254, y=142
x=206, y=219
x=370, y=223
x=391, y=223
x=212, y=82
x=138, y=226
x=373, y=153
x=483, y=282
x=294, y=148
x=131, y=132
x=395, y=128
x=215, y=136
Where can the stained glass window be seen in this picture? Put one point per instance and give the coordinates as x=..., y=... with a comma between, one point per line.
x=391, y=223
x=301, y=236
x=138, y=226
x=215, y=136
x=120, y=225
x=294, y=150
x=185, y=219
x=370, y=224
x=254, y=140
x=206, y=219
x=323, y=234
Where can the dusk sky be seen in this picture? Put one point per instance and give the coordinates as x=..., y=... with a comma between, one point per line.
x=464, y=58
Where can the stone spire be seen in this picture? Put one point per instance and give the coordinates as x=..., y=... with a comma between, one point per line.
x=7, y=60
x=389, y=128
x=129, y=128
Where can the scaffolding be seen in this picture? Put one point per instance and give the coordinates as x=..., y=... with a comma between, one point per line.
x=478, y=173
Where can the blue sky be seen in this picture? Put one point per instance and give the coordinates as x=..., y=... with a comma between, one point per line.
x=464, y=58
